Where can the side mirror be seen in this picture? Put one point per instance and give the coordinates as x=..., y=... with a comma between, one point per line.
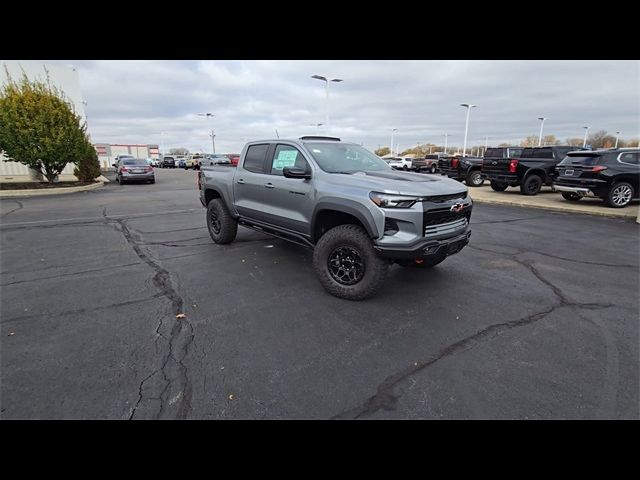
x=293, y=172
x=114, y=165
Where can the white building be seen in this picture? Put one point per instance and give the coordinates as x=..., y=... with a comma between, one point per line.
x=66, y=78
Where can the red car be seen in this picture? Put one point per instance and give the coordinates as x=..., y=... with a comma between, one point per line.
x=235, y=158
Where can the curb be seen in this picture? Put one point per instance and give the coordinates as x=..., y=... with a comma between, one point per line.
x=46, y=191
x=623, y=215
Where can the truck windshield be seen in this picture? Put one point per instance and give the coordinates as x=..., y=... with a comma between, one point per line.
x=345, y=158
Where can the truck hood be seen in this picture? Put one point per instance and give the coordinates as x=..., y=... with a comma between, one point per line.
x=403, y=183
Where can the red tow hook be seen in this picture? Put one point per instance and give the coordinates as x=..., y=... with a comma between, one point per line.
x=419, y=261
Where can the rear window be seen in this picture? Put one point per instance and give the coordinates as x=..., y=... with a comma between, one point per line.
x=493, y=152
x=133, y=161
x=586, y=160
x=515, y=152
x=168, y=158
x=254, y=159
x=543, y=153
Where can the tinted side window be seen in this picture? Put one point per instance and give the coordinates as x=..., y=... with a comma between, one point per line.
x=254, y=159
x=515, y=152
x=544, y=153
x=528, y=153
x=287, y=156
x=632, y=158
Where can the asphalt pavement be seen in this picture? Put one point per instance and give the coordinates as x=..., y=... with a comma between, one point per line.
x=536, y=319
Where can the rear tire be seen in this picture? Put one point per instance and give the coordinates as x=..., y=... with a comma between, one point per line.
x=221, y=225
x=474, y=179
x=620, y=195
x=405, y=168
x=531, y=185
x=433, y=169
x=347, y=264
x=572, y=197
x=498, y=186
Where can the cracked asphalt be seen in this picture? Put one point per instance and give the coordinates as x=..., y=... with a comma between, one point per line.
x=536, y=319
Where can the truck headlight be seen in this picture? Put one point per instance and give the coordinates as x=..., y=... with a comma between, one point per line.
x=385, y=200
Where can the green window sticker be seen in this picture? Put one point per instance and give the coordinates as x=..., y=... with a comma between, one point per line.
x=286, y=158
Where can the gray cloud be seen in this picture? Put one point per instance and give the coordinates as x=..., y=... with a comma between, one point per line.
x=133, y=101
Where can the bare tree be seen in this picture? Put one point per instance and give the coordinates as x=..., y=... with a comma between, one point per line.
x=179, y=151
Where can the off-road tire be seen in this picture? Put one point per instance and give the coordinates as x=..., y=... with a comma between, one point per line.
x=226, y=228
x=532, y=185
x=355, y=237
x=498, y=186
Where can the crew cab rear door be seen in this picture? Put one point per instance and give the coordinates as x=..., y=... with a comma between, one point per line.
x=249, y=181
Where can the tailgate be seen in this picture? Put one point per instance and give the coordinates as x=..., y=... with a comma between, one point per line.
x=496, y=165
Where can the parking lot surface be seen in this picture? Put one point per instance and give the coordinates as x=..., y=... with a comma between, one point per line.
x=536, y=319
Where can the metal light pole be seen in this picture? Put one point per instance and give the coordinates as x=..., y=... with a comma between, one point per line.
x=541, y=125
x=326, y=81
x=466, y=127
x=586, y=130
x=617, y=137
x=391, y=148
x=446, y=135
x=212, y=135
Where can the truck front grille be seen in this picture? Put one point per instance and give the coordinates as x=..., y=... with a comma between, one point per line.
x=441, y=221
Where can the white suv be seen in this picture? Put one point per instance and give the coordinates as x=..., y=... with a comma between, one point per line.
x=401, y=163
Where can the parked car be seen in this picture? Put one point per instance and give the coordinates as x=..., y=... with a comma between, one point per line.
x=235, y=158
x=216, y=159
x=467, y=169
x=154, y=162
x=120, y=157
x=335, y=197
x=612, y=175
x=181, y=163
x=134, y=170
x=168, y=162
x=402, y=163
x=535, y=167
x=193, y=161
x=431, y=161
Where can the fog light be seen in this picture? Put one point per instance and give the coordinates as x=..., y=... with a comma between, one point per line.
x=390, y=227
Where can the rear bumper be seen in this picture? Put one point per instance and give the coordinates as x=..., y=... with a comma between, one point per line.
x=425, y=248
x=141, y=177
x=592, y=188
x=501, y=177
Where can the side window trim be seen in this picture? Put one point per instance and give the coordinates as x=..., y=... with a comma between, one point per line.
x=629, y=153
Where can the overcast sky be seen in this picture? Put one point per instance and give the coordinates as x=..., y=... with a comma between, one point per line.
x=133, y=101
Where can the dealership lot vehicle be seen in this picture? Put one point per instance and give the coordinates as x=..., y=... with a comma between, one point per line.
x=181, y=163
x=464, y=169
x=431, y=161
x=613, y=175
x=357, y=214
x=134, y=170
x=403, y=163
x=193, y=161
x=535, y=167
x=216, y=160
x=111, y=270
x=168, y=161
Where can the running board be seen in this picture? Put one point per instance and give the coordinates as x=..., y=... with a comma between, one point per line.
x=289, y=236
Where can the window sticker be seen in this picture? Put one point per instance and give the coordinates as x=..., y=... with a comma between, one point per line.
x=286, y=158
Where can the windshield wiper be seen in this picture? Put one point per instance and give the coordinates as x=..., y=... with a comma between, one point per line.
x=344, y=173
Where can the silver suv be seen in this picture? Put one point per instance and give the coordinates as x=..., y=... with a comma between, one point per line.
x=356, y=212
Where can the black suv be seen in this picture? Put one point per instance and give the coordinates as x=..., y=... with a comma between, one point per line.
x=612, y=175
x=536, y=166
x=168, y=162
x=462, y=168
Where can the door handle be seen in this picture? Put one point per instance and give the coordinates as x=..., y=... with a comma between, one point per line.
x=269, y=185
x=241, y=181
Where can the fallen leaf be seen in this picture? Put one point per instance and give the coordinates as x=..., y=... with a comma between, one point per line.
x=195, y=305
x=230, y=397
x=221, y=368
x=180, y=316
x=415, y=364
x=11, y=334
x=243, y=260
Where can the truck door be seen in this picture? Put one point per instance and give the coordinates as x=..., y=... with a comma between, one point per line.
x=288, y=202
x=249, y=182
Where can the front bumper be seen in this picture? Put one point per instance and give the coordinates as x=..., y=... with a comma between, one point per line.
x=425, y=248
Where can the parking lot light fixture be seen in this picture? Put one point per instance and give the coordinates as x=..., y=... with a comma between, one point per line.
x=586, y=131
x=617, y=137
x=326, y=81
x=212, y=134
x=541, y=126
x=391, y=147
x=466, y=127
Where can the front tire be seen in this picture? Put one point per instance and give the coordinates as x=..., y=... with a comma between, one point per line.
x=531, y=186
x=572, y=197
x=474, y=179
x=347, y=265
x=498, y=186
x=620, y=195
x=433, y=169
x=405, y=168
x=221, y=225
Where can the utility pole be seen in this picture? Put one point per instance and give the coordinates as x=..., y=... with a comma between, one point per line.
x=213, y=140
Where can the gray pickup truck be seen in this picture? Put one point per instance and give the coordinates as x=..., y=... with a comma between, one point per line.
x=356, y=212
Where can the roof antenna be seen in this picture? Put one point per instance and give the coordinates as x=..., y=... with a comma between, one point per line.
x=277, y=133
